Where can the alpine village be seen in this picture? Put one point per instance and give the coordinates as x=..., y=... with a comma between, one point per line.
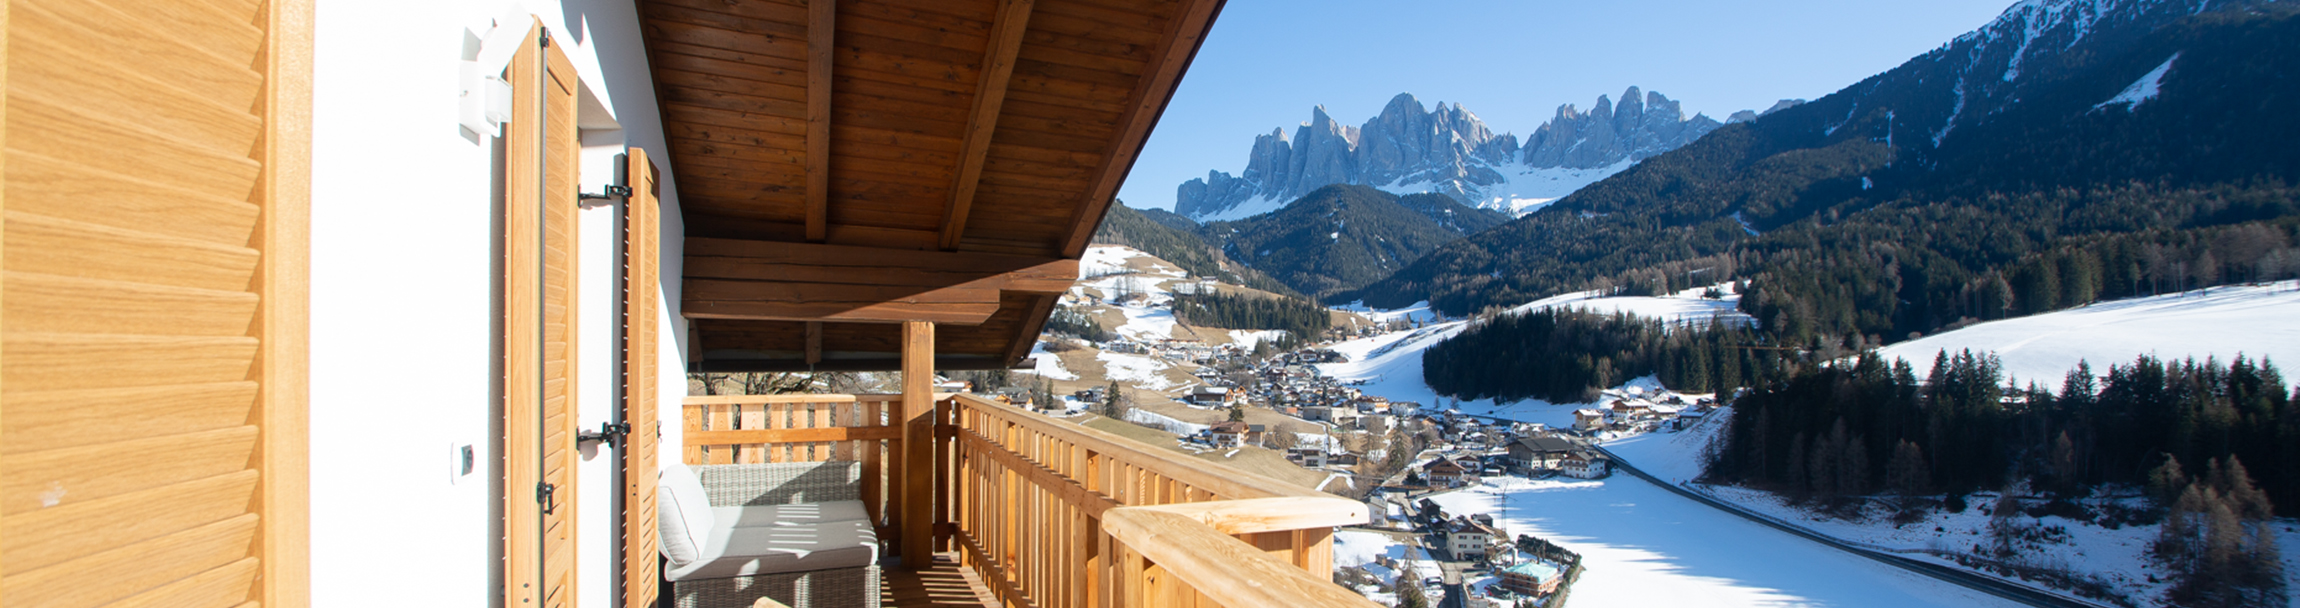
x=883, y=303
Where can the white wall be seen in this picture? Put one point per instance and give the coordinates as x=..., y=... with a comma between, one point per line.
x=404, y=302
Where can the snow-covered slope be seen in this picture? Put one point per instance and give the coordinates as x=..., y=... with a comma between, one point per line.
x=1390, y=365
x=1643, y=546
x=2256, y=321
x=1680, y=307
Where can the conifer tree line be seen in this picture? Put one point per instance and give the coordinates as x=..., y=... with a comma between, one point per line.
x=1566, y=355
x=1870, y=427
x=1067, y=321
x=1299, y=318
x=1891, y=284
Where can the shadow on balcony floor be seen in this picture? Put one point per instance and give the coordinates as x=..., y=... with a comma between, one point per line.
x=945, y=585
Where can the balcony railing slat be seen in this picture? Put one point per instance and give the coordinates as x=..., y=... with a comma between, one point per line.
x=1055, y=515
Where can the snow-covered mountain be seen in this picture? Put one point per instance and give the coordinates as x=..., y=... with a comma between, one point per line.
x=2024, y=52
x=1407, y=150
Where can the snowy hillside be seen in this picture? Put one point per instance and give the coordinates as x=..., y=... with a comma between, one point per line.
x=2256, y=321
x=1391, y=364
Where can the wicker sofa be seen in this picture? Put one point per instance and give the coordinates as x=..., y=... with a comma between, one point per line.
x=794, y=532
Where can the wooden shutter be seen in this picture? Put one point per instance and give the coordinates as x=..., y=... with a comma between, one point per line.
x=640, y=389
x=153, y=305
x=539, y=337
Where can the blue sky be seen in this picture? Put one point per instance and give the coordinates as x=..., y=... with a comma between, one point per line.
x=1514, y=62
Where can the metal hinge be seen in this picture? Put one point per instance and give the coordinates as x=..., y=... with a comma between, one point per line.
x=546, y=38
x=544, y=495
x=611, y=433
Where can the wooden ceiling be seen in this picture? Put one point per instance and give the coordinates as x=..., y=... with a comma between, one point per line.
x=847, y=164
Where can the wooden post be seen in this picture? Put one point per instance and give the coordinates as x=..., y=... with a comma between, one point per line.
x=917, y=527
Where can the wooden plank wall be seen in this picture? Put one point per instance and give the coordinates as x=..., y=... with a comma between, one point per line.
x=153, y=327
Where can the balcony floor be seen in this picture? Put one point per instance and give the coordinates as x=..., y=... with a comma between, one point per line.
x=946, y=585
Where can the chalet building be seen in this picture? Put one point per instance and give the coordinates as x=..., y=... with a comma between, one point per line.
x=1590, y=420
x=227, y=220
x=1227, y=434
x=1444, y=473
x=1687, y=419
x=1469, y=539
x=1539, y=453
x=1210, y=395
x=1585, y=466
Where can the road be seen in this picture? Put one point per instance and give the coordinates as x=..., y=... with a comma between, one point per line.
x=1977, y=582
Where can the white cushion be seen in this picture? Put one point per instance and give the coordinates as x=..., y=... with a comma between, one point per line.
x=792, y=514
x=749, y=551
x=683, y=517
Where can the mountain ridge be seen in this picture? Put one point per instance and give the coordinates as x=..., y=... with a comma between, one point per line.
x=1820, y=204
x=1448, y=150
x=1340, y=237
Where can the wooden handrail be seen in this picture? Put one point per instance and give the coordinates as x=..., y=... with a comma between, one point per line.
x=1056, y=515
x=1255, y=515
x=793, y=398
x=1223, y=482
x=1216, y=565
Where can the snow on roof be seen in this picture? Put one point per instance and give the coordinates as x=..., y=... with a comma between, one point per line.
x=1538, y=570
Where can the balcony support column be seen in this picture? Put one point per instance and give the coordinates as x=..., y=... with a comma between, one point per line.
x=918, y=444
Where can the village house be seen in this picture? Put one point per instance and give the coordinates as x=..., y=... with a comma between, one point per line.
x=1227, y=434
x=1589, y=420
x=1405, y=409
x=1687, y=419
x=1308, y=457
x=1632, y=409
x=1584, y=466
x=1539, y=453
x=1210, y=395
x=1531, y=578
x=1467, y=539
x=1443, y=472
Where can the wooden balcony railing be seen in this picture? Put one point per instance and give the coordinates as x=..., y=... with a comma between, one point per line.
x=1057, y=515
x=737, y=429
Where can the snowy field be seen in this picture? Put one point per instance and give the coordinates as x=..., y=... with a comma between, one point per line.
x=2117, y=557
x=2258, y=321
x=1048, y=364
x=1391, y=364
x=1683, y=306
x=1643, y=546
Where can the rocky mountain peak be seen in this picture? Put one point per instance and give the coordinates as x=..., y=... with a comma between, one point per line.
x=1409, y=148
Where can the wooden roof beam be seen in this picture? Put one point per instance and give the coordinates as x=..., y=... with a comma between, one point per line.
x=773, y=280
x=1006, y=30
x=1184, y=32
x=821, y=35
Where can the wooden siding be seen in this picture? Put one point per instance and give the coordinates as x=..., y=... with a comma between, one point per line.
x=153, y=303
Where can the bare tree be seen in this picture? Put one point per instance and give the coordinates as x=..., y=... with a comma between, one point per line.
x=1282, y=438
